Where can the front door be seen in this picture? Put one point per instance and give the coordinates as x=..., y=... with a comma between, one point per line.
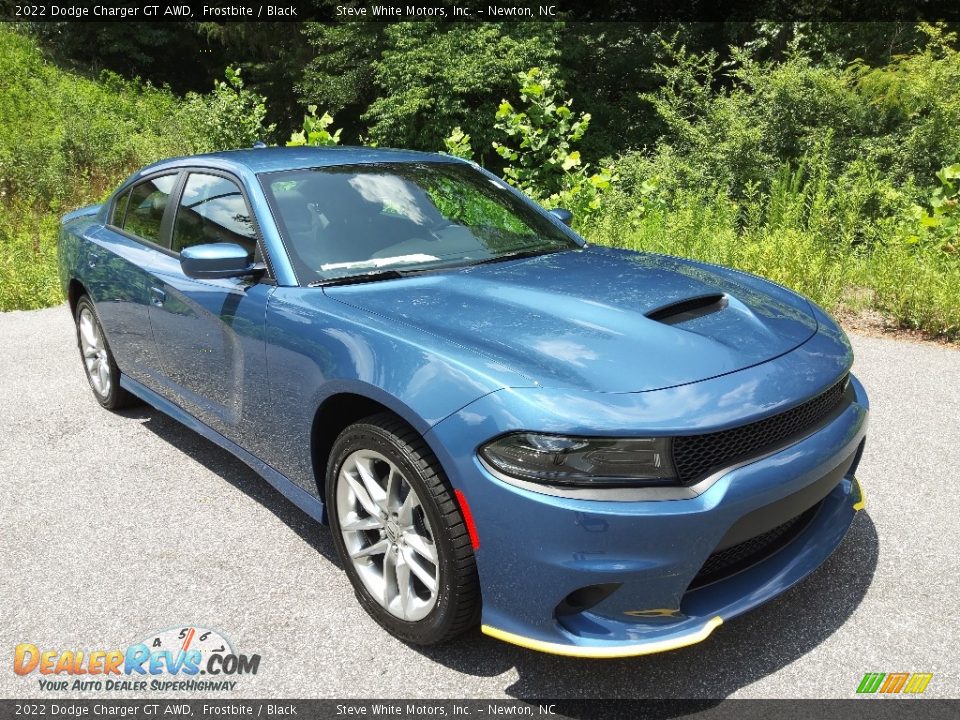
x=209, y=333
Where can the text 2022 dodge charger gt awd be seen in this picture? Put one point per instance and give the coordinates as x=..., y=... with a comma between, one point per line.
x=587, y=451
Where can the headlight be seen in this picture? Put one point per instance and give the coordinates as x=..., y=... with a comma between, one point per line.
x=559, y=460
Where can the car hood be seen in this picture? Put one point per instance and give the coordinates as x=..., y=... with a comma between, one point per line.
x=599, y=319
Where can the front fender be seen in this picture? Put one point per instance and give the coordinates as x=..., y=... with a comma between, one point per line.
x=318, y=347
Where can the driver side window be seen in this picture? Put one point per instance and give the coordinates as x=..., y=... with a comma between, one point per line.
x=212, y=210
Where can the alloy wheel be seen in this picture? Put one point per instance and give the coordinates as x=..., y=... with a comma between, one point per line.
x=387, y=535
x=96, y=358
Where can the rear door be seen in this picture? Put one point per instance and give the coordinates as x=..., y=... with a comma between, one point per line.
x=117, y=271
x=209, y=333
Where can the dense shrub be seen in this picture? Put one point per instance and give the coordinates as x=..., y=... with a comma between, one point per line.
x=837, y=180
x=62, y=133
x=66, y=140
x=229, y=117
x=433, y=76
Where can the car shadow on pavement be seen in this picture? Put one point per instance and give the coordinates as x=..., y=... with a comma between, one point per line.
x=238, y=474
x=738, y=653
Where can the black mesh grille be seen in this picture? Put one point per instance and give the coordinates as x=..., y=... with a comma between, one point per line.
x=696, y=456
x=738, y=557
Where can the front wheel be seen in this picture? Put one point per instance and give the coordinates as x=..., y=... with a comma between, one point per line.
x=399, y=532
x=101, y=369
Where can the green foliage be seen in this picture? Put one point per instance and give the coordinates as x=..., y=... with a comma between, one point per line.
x=314, y=131
x=816, y=174
x=821, y=155
x=229, y=117
x=340, y=75
x=457, y=143
x=433, y=76
x=786, y=236
x=848, y=249
x=272, y=55
x=912, y=107
x=537, y=148
x=66, y=141
x=137, y=49
x=941, y=223
x=28, y=258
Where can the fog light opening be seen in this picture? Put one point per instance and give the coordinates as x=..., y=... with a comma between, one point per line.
x=584, y=598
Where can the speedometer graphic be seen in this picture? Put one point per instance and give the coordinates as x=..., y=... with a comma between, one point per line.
x=187, y=638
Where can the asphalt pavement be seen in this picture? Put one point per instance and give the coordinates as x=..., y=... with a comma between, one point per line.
x=116, y=526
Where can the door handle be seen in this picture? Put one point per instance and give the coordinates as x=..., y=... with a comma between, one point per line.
x=157, y=297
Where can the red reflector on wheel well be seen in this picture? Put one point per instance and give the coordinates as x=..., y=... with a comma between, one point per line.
x=468, y=519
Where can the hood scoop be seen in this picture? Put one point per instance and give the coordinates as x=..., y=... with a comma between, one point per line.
x=688, y=309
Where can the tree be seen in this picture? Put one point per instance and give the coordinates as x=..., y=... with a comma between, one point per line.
x=434, y=76
x=340, y=73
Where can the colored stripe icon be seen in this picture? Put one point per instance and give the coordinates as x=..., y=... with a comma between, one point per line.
x=894, y=683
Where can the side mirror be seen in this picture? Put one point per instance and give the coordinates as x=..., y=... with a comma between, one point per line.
x=564, y=216
x=216, y=260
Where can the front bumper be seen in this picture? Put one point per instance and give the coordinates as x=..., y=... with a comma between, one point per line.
x=536, y=549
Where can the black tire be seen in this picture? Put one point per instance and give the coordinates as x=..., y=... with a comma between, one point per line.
x=457, y=607
x=115, y=398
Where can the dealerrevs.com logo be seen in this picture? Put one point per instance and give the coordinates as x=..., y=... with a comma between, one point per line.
x=190, y=659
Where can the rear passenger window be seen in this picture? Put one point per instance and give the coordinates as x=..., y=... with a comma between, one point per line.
x=212, y=210
x=145, y=207
x=120, y=209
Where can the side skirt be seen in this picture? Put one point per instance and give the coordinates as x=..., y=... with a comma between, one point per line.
x=311, y=505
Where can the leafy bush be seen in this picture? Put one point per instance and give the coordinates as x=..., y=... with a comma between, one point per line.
x=912, y=107
x=433, y=76
x=942, y=221
x=315, y=131
x=229, y=117
x=63, y=135
x=790, y=235
x=819, y=176
x=538, y=149
x=457, y=143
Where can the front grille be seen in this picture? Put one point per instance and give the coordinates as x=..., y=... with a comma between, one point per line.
x=696, y=456
x=741, y=556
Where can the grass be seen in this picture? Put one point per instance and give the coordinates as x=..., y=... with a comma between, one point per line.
x=65, y=141
x=28, y=260
x=919, y=288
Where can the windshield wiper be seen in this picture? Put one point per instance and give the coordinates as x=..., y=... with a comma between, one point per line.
x=362, y=278
x=393, y=274
x=516, y=255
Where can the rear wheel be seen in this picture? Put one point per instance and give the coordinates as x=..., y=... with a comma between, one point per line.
x=101, y=369
x=399, y=532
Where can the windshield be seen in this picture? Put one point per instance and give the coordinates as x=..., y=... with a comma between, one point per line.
x=347, y=221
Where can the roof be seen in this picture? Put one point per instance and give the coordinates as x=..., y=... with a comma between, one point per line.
x=272, y=159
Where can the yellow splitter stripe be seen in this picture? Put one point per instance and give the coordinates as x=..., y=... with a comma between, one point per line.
x=861, y=503
x=609, y=651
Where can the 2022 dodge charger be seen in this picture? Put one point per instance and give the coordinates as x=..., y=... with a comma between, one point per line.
x=588, y=451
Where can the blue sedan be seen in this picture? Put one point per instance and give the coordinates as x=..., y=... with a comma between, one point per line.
x=586, y=451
